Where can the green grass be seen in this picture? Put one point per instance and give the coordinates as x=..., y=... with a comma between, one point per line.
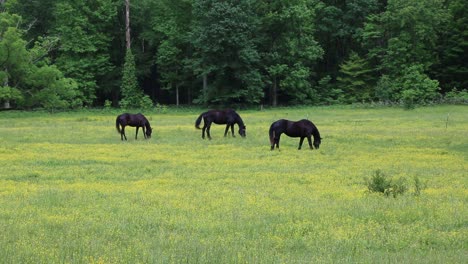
x=72, y=192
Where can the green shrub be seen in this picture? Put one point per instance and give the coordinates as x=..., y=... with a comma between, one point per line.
x=456, y=97
x=107, y=105
x=146, y=103
x=416, y=87
x=379, y=182
x=161, y=108
x=419, y=186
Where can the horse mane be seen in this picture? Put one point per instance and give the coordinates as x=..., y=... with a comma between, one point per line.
x=315, y=132
x=147, y=124
x=239, y=120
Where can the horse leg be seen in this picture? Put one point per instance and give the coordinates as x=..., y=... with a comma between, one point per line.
x=275, y=142
x=136, y=132
x=203, y=131
x=226, y=131
x=300, y=142
x=310, y=142
x=208, y=132
x=123, y=133
x=144, y=131
x=232, y=130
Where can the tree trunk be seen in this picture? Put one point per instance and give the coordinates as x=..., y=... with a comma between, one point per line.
x=205, y=88
x=6, y=103
x=274, y=94
x=177, y=94
x=127, y=23
x=189, y=93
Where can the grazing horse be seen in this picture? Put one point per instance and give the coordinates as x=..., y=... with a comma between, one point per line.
x=302, y=128
x=228, y=117
x=137, y=120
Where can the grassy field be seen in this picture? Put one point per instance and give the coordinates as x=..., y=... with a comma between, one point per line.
x=72, y=192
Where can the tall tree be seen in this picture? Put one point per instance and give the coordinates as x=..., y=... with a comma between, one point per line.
x=26, y=78
x=402, y=41
x=225, y=51
x=289, y=50
x=339, y=28
x=355, y=79
x=85, y=29
x=452, y=49
x=170, y=27
x=131, y=93
x=405, y=34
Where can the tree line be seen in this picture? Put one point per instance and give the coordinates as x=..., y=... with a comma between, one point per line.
x=60, y=54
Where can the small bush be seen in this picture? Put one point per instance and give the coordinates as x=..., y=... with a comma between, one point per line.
x=107, y=105
x=379, y=182
x=161, y=108
x=146, y=103
x=456, y=97
x=419, y=186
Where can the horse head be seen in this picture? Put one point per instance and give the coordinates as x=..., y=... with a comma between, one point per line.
x=242, y=131
x=149, y=130
x=317, y=142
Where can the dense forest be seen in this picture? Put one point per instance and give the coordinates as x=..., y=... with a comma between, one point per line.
x=59, y=54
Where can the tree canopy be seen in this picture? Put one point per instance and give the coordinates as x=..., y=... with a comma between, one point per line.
x=61, y=54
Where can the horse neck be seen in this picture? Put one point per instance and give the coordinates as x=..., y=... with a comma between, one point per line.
x=315, y=133
x=147, y=124
x=239, y=121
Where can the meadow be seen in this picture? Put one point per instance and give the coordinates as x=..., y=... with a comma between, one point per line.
x=72, y=192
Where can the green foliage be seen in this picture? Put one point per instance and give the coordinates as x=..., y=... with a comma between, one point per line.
x=107, y=105
x=288, y=48
x=146, y=103
x=162, y=109
x=53, y=90
x=171, y=27
x=355, y=79
x=386, y=89
x=419, y=185
x=330, y=93
x=405, y=34
x=380, y=182
x=10, y=94
x=452, y=49
x=246, y=50
x=225, y=51
x=339, y=32
x=456, y=97
x=416, y=87
x=25, y=80
x=84, y=28
x=132, y=96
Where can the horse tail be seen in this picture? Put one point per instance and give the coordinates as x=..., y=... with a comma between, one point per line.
x=272, y=135
x=117, y=124
x=198, y=122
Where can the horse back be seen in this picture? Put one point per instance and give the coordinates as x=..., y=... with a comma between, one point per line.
x=220, y=116
x=301, y=128
x=127, y=119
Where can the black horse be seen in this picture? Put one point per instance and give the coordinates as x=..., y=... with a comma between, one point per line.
x=302, y=128
x=137, y=120
x=228, y=117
